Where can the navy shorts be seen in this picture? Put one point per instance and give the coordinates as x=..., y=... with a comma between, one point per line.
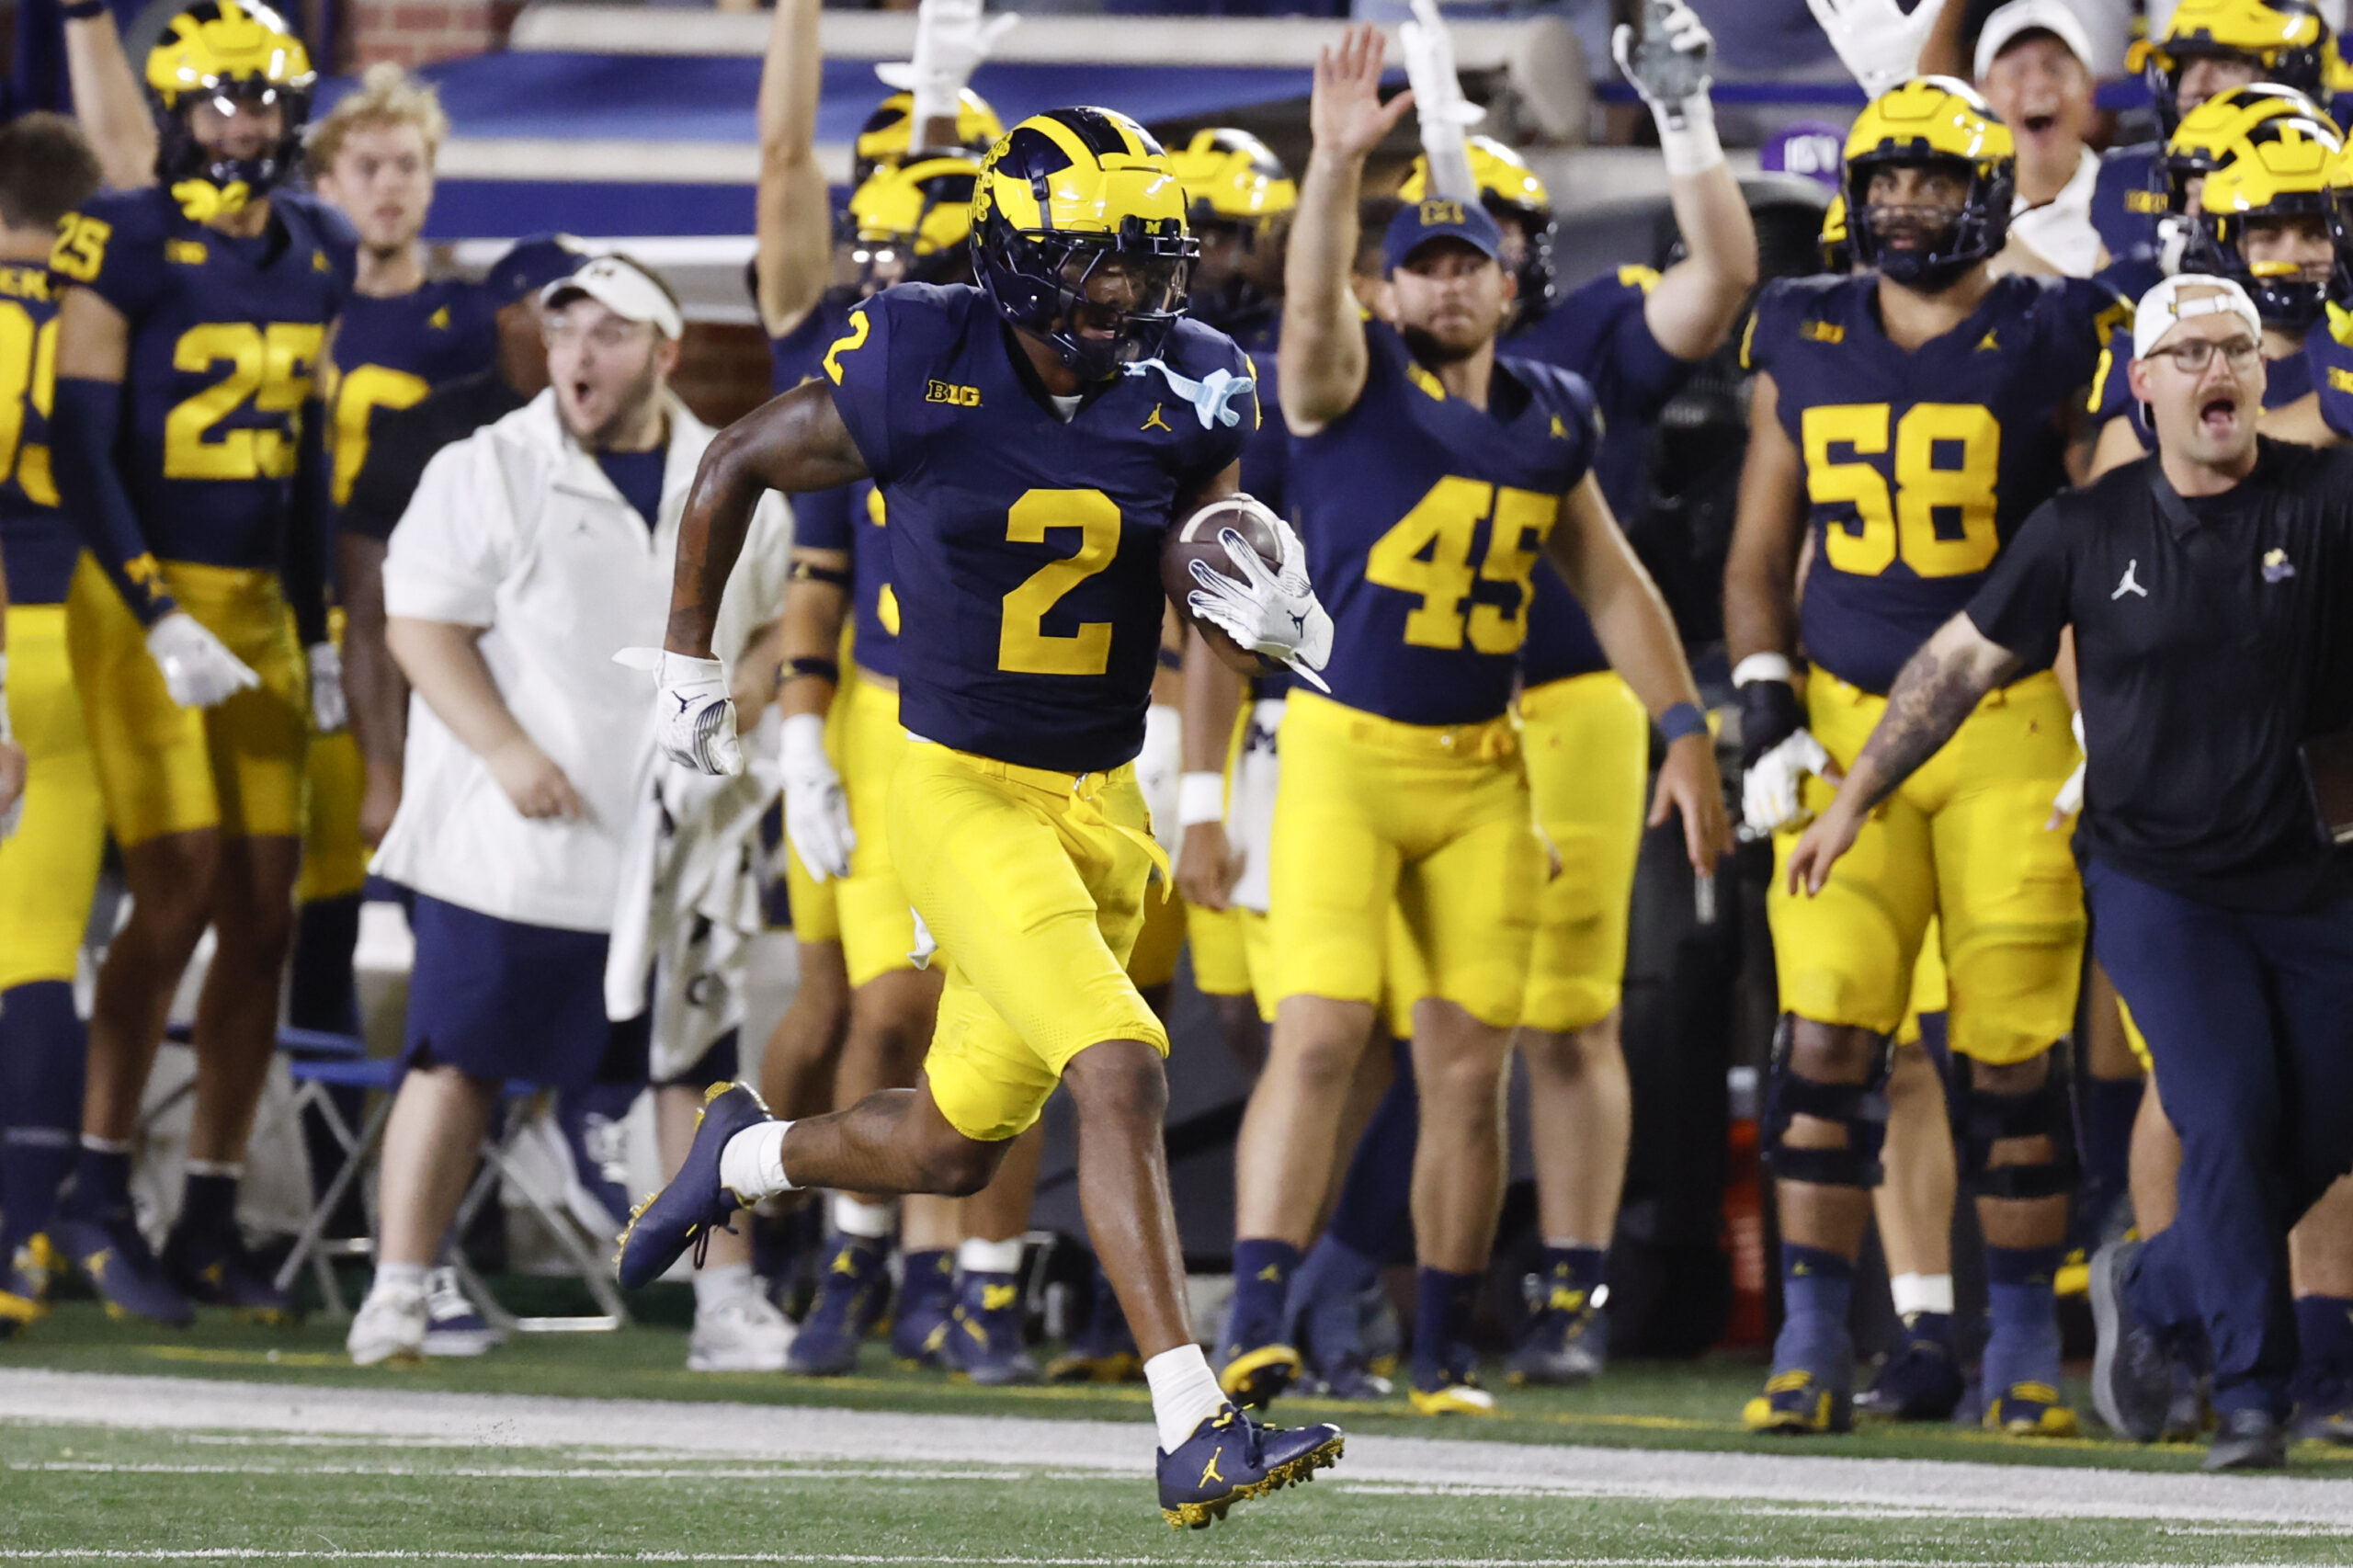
x=501, y=1000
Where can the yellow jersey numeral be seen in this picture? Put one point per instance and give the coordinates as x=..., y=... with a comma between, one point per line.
x=1023, y=646
x=269, y=367
x=849, y=342
x=27, y=378
x=357, y=395
x=1427, y=553
x=81, y=247
x=1903, y=524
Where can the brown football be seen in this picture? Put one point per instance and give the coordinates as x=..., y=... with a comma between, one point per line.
x=1195, y=539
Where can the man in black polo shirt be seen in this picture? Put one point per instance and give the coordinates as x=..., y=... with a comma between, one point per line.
x=2207, y=587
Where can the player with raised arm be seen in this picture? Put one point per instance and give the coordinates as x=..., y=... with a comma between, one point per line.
x=1415, y=453
x=1034, y=439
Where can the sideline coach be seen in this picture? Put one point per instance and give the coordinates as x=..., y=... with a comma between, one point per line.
x=2210, y=588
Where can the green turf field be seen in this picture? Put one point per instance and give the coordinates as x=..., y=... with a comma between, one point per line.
x=230, y=1443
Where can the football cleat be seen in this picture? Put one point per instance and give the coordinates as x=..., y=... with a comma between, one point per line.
x=743, y=1334
x=2074, y=1275
x=1922, y=1381
x=1799, y=1404
x=985, y=1340
x=1103, y=1351
x=217, y=1271
x=852, y=1290
x=391, y=1326
x=24, y=1286
x=2028, y=1410
x=454, y=1326
x=1230, y=1459
x=1450, y=1390
x=2325, y=1415
x=109, y=1248
x=2132, y=1375
x=695, y=1202
x=927, y=1301
x=1254, y=1379
x=1565, y=1342
x=2247, y=1440
x=1350, y=1378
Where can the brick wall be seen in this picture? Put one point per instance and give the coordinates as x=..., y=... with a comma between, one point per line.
x=418, y=32
x=722, y=372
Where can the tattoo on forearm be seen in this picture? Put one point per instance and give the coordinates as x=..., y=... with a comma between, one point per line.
x=1932, y=695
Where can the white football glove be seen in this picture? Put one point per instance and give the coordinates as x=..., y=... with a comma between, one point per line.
x=816, y=809
x=330, y=711
x=1668, y=62
x=1439, y=102
x=694, y=717
x=952, y=39
x=2070, y=798
x=1876, y=41
x=198, y=669
x=1275, y=614
x=1772, y=795
x=1159, y=768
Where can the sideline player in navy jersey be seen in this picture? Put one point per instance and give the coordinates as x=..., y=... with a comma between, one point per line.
x=1414, y=453
x=1907, y=420
x=1034, y=439
x=49, y=866
x=2207, y=47
x=186, y=445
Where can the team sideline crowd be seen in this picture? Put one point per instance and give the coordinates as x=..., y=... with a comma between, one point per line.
x=1152, y=549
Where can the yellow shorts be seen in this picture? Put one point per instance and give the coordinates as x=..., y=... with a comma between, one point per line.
x=163, y=769
x=1437, y=821
x=49, y=868
x=876, y=929
x=1928, y=987
x=1165, y=920
x=1588, y=743
x=1964, y=840
x=1232, y=954
x=1035, y=889
x=1404, y=978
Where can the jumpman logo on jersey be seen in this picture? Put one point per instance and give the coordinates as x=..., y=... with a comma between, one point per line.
x=1154, y=422
x=2128, y=584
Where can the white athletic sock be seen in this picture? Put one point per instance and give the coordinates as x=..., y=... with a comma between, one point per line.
x=752, y=1166
x=234, y=1169
x=977, y=1257
x=721, y=1283
x=393, y=1279
x=1921, y=1293
x=868, y=1221
x=1184, y=1393
x=97, y=1145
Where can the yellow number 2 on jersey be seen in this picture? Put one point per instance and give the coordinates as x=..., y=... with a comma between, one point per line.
x=1427, y=553
x=270, y=368
x=1904, y=525
x=81, y=247
x=1024, y=646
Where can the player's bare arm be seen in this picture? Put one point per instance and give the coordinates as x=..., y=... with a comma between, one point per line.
x=1941, y=686
x=1768, y=531
x=1207, y=863
x=792, y=211
x=1632, y=623
x=1322, y=360
x=793, y=443
x=816, y=602
x=1696, y=302
x=108, y=102
x=2299, y=422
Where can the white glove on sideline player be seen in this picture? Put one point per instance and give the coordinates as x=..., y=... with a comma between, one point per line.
x=1772, y=791
x=816, y=809
x=694, y=718
x=1669, y=67
x=1439, y=103
x=952, y=39
x=1275, y=614
x=329, y=709
x=198, y=669
x=1876, y=41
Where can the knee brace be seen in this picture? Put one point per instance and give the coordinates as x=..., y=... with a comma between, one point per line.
x=1861, y=1109
x=1981, y=1119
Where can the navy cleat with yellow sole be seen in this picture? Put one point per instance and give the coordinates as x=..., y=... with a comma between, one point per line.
x=1255, y=1377
x=853, y=1288
x=1231, y=1459
x=927, y=1301
x=1800, y=1403
x=24, y=1286
x=695, y=1202
x=108, y=1248
x=1922, y=1381
x=2028, y=1410
x=984, y=1339
x=1103, y=1351
x=215, y=1270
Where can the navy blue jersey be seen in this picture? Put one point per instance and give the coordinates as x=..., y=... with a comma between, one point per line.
x=224, y=343
x=1600, y=335
x=794, y=357
x=2328, y=350
x=1919, y=465
x=1424, y=519
x=1025, y=548
x=2128, y=199
x=388, y=353
x=37, y=543
x=1266, y=461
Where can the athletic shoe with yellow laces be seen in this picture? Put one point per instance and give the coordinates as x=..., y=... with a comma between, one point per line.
x=1230, y=1459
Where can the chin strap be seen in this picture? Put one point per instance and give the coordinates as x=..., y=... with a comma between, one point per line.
x=1213, y=399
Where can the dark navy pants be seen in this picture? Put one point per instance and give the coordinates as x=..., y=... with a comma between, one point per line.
x=2249, y=1020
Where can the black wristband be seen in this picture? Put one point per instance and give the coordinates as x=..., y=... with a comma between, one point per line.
x=809, y=572
x=1170, y=659
x=82, y=10
x=1769, y=714
x=810, y=669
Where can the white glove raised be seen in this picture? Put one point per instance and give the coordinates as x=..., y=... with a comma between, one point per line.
x=1876, y=41
x=816, y=809
x=330, y=711
x=1159, y=768
x=1275, y=614
x=1771, y=792
x=1439, y=103
x=198, y=669
x=2070, y=798
x=953, y=38
x=694, y=719
x=1669, y=68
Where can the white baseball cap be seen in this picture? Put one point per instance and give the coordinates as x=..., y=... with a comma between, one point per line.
x=622, y=287
x=2161, y=308
x=2003, y=28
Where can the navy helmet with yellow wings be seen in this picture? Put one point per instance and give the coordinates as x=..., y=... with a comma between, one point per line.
x=910, y=221
x=244, y=54
x=2283, y=165
x=1931, y=121
x=2285, y=41
x=1233, y=186
x=1079, y=237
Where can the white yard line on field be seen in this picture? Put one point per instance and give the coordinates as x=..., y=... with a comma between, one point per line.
x=879, y=1559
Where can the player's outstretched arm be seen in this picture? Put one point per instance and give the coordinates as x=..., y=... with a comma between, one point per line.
x=793, y=443
x=1323, y=354
x=791, y=212
x=1768, y=529
x=1938, y=686
x=1632, y=623
x=108, y=102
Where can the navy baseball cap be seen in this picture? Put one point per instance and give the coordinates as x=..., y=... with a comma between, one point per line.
x=531, y=263
x=1439, y=218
